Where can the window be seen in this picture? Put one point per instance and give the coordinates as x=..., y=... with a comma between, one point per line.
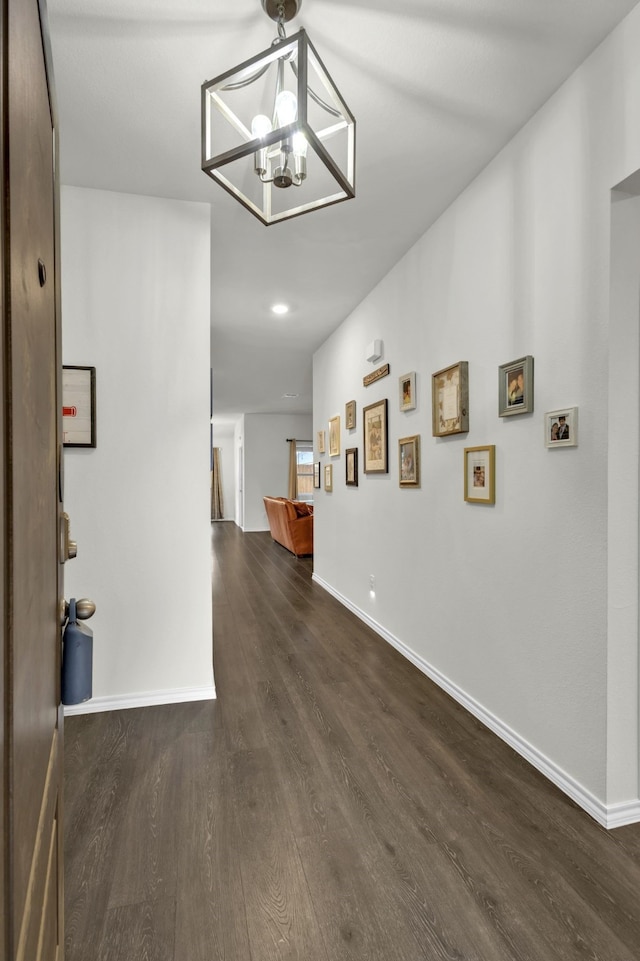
x=304, y=461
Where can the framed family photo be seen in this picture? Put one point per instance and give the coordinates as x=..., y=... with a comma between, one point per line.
x=351, y=455
x=515, y=387
x=350, y=414
x=561, y=427
x=450, y=400
x=409, y=461
x=328, y=477
x=376, y=446
x=320, y=441
x=407, y=387
x=334, y=436
x=480, y=474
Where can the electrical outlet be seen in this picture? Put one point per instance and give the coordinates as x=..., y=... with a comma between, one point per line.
x=372, y=582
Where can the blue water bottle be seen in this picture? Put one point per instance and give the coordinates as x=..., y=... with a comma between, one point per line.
x=77, y=660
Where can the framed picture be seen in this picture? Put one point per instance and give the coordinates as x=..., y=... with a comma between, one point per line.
x=409, y=459
x=334, y=436
x=79, y=406
x=350, y=414
x=316, y=475
x=407, y=385
x=351, y=454
x=450, y=400
x=376, y=452
x=320, y=441
x=480, y=474
x=328, y=477
x=515, y=387
x=561, y=427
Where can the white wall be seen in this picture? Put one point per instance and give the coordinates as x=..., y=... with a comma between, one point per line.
x=507, y=606
x=266, y=460
x=135, y=303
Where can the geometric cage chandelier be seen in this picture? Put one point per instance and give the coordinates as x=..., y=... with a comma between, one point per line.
x=276, y=132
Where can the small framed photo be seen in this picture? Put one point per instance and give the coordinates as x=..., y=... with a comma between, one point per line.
x=407, y=388
x=480, y=474
x=409, y=458
x=450, y=400
x=515, y=387
x=79, y=406
x=376, y=447
x=561, y=427
x=351, y=454
x=320, y=441
x=316, y=475
x=350, y=415
x=328, y=477
x=334, y=436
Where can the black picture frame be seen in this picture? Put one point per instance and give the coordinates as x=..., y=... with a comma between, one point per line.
x=78, y=401
x=351, y=466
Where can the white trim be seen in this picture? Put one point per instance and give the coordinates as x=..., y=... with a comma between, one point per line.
x=608, y=815
x=120, y=702
x=254, y=530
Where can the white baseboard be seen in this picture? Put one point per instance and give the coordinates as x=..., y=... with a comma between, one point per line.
x=608, y=815
x=254, y=530
x=120, y=702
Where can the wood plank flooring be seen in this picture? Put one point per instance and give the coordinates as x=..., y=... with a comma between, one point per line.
x=332, y=805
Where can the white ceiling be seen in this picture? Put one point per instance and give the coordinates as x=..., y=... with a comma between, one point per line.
x=437, y=88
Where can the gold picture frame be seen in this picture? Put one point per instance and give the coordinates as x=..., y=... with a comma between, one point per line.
x=334, y=436
x=407, y=391
x=450, y=400
x=376, y=445
x=328, y=477
x=320, y=441
x=350, y=414
x=480, y=474
x=409, y=461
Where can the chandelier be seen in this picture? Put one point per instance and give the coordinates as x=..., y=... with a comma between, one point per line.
x=276, y=133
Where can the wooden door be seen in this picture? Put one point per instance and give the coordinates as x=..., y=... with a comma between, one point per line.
x=32, y=717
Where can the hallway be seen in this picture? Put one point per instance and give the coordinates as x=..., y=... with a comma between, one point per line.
x=333, y=804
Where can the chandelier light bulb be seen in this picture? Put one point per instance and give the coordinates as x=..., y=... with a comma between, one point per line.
x=286, y=107
x=260, y=125
x=300, y=144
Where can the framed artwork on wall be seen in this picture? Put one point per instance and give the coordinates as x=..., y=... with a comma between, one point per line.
x=515, y=387
x=78, y=406
x=320, y=441
x=450, y=400
x=407, y=386
x=316, y=475
x=350, y=414
x=334, y=436
x=328, y=477
x=561, y=427
x=409, y=461
x=376, y=447
x=351, y=454
x=480, y=474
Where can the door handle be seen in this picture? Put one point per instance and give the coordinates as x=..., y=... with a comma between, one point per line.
x=84, y=609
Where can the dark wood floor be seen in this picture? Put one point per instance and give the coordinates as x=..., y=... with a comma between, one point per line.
x=331, y=805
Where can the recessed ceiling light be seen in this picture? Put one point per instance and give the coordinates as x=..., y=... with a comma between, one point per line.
x=290, y=396
x=280, y=309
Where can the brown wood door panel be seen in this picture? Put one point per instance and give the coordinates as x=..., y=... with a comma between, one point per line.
x=33, y=737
